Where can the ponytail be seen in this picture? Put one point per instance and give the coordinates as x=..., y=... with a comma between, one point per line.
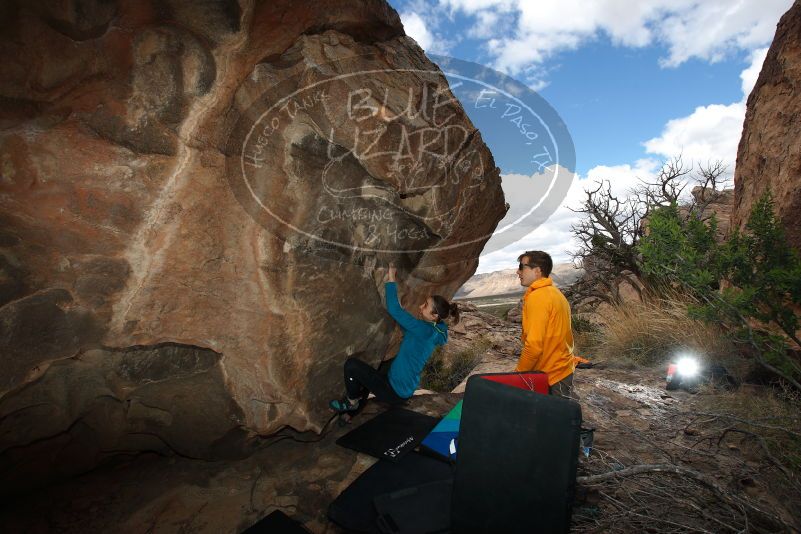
x=455, y=312
x=445, y=309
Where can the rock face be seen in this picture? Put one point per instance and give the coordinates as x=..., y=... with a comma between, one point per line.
x=301, y=475
x=718, y=203
x=193, y=201
x=769, y=155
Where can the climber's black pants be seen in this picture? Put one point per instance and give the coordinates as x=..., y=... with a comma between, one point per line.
x=361, y=379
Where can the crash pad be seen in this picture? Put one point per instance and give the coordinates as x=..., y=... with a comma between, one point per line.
x=423, y=508
x=276, y=522
x=390, y=435
x=443, y=440
x=518, y=454
x=355, y=509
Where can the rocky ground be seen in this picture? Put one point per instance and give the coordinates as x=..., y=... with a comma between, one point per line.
x=676, y=466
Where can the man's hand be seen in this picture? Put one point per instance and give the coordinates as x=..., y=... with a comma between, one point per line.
x=391, y=272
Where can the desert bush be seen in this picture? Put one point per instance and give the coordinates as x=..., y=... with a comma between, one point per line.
x=500, y=311
x=760, y=292
x=587, y=336
x=611, y=229
x=583, y=325
x=444, y=371
x=655, y=330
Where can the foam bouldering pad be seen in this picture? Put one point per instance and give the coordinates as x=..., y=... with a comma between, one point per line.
x=355, y=510
x=423, y=508
x=276, y=522
x=442, y=442
x=518, y=454
x=530, y=380
x=389, y=435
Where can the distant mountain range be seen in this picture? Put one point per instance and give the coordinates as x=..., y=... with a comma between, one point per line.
x=505, y=282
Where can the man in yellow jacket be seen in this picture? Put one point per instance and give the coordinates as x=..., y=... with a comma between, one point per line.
x=547, y=333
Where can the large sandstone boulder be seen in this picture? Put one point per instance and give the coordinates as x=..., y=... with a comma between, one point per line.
x=769, y=155
x=714, y=202
x=194, y=198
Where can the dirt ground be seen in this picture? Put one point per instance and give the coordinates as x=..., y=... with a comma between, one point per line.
x=709, y=471
x=299, y=474
x=661, y=462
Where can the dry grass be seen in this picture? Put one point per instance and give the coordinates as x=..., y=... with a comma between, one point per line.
x=770, y=412
x=647, y=333
x=587, y=336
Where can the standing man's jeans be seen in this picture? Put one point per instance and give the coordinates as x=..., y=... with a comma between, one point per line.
x=361, y=379
x=563, y=388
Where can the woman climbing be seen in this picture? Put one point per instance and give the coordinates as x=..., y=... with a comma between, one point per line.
x=420, y=337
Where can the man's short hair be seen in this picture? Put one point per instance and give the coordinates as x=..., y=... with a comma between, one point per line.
x=538, y=258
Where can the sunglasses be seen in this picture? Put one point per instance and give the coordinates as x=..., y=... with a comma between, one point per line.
x=520, y=266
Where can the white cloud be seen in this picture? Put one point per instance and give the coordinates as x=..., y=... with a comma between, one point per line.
x=485, y=26
x=625, y=177
x=749, y=76
x=709, y=29
x=553, y=235
x=531, y=32
x=417, y=28
x=474, y=6
x=709, y=133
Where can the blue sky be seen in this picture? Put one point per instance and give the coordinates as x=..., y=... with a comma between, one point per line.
x=635, y=82
x=614, y=98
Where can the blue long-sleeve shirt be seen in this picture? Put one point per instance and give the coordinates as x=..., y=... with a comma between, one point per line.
x=419, y=340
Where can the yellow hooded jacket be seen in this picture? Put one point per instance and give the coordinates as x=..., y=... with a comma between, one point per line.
x=547, y=336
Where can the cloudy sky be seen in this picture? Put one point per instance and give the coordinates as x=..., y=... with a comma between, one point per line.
x=635, y=82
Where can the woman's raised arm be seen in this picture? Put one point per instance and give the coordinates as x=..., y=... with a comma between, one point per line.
x=401, y=316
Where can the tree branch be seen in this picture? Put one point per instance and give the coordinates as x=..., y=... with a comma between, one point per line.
x=712, y=484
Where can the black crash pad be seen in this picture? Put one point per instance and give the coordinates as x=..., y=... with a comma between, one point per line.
x=355, y=508
x=516, y=467
x=276, y=523
x=389, y=435
x=425, y=508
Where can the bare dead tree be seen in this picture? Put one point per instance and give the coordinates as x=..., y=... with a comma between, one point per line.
x=666, y=188
x=711, y=178
x=612, y=226
x=608, y=235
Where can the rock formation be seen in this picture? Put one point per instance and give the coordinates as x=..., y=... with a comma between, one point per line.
x=193, y=198
x=636, y=422
x=718, y=203
x=769, y=154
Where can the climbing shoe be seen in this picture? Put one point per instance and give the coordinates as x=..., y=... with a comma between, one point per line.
x=343, y=406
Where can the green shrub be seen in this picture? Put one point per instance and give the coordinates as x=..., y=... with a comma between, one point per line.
x=761, y=273
x=679, y=252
